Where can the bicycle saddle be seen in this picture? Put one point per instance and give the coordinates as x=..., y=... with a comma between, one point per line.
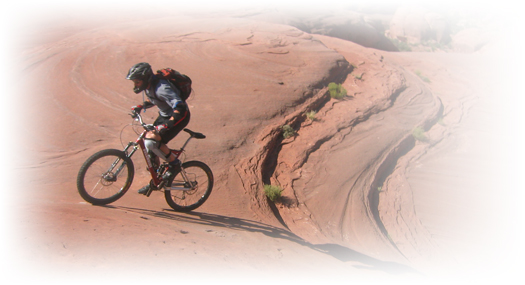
x=195, y=134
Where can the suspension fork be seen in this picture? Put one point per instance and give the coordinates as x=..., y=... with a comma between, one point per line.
x=121, y=167
x=134, y=147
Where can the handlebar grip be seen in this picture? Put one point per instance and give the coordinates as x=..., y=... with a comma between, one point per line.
x=149, y=127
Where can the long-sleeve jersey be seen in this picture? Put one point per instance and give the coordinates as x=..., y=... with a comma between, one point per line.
x=165, y=97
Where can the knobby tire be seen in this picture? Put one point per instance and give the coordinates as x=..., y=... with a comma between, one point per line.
x=184, y=201
x=96, y=180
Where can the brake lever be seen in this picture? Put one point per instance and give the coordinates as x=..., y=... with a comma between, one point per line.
x=149, y=127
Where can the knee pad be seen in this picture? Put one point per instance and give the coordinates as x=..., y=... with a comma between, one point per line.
x=153, y=146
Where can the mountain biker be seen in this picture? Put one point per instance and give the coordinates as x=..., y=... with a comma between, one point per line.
x=174, y=114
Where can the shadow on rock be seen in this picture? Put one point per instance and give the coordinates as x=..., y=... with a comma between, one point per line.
x=345, y=254
x=339, y=252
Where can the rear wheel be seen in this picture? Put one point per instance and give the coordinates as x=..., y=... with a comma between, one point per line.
x=105, y=177
x=197, y=180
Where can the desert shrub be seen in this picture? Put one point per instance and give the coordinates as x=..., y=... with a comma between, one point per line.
x=311, y=115
x=436, y=46
x=337, y=91
x=401, y=46
x=424, y=78
x=419, y=134
x=273, y=192
x=288, y=131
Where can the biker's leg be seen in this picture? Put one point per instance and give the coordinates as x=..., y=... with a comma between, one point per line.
x=168, y=136
x=163, y=151
x=173, y=132
x=167, y=152
x=153, y=144
x=157, y=145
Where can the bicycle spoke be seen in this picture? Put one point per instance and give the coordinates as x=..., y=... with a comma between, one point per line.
x=197, y=180
x=94, y=187
x=105, y=177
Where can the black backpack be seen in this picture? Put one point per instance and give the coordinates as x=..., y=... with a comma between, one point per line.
x=180, y=81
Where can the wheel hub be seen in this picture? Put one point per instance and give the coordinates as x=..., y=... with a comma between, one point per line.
x=108, y=178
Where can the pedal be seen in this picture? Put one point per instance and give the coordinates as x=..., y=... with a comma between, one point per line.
x=152, y=187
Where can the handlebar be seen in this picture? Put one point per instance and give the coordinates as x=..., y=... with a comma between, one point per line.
x=138, y=117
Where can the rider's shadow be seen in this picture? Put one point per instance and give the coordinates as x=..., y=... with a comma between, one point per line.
x=337, y=251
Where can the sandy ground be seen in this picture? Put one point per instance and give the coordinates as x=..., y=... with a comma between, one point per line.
x=363, y=200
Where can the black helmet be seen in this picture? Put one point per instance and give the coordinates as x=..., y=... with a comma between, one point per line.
x=141, y=71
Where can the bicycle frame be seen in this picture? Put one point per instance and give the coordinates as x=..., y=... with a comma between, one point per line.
x=156, y=177
x=107, y=175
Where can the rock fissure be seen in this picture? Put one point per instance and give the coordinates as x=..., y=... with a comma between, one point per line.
x=377, y=173
x=262, y=165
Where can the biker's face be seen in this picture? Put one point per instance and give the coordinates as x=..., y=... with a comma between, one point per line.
x=138, y=83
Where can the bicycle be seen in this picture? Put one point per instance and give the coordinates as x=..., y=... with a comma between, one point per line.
x=107, y=175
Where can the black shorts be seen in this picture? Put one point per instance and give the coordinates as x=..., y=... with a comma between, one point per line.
x=175, y=130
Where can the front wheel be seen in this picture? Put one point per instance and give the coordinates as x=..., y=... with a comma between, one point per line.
x=190, y=187
x=105, y=177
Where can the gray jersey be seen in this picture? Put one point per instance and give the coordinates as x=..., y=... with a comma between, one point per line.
x=165, y=97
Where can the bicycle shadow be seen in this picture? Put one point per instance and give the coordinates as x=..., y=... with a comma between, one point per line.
x=339, y=252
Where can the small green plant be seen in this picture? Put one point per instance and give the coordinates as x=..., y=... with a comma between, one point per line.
x=435, y=46
x=424, y=78
x=358, y=76
x=419, y=134
x=273, y=192
x=288, y=131
x=401, y=45
x=311, y=115
x=337, y=91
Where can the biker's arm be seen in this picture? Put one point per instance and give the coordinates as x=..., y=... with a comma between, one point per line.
x=147, y=104
x=178, y=114
x=172, y=98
